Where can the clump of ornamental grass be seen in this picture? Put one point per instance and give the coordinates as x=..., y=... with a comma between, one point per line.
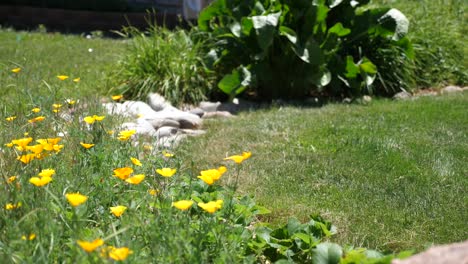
x=164, y=61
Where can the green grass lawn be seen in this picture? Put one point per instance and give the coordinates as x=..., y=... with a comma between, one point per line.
x=42, y=57
x=389, y=175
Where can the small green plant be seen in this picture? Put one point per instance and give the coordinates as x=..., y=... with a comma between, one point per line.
x=295, y=48
x=167, y=62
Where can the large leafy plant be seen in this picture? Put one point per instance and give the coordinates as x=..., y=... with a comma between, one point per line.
x=291, y=48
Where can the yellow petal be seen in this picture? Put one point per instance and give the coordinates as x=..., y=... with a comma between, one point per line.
x=183, y=204
x=137, y=179
x=76, y=199
x=118, y=210
x=166, y=172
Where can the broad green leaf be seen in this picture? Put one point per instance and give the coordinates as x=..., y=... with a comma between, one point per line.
x=334, y=3
x=265, y=27
x=395, y=21
x=236, y=82
x=367, y=66
x=303, y=237
x=310, y=52
x=352, y=70
x=293, y=225
x=339, y=30
x=260, y=210
x=211, y=58
x=288, y=33
x=246, y=25
x=326, y=253
x=235, y=28
x=209, y=13
x=326, y=78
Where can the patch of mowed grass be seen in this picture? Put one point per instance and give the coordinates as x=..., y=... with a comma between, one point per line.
x=389, y=175
x=438, y=31
x=43, y=56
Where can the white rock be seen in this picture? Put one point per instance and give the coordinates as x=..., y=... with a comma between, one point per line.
x=451, y=89
x=446, y=254
x=138, y=108
x=157, y=102
x=209, y=106
x=159, y=122
x=403, y=95
x=197, y=111
x=217, y=114
x=166, y=132
x=141, y=126
x=367, y=98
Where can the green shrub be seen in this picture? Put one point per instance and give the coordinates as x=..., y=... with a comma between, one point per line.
x=167, y=62
x=294, y=48
x=438, y=33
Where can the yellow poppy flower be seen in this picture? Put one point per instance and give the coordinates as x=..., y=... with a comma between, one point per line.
x=123, y=173
x=26, y=158
x=118, y=210
x=36, y=119
x=32, y=236
x=98, y=118
x=135, y=161
x=90, y=246
x=37, y=149
x=86, y=145
x=167, y=154
x=76, y=199
x=239, y=158
x=70, y=101
x=56, y=106
x=22, y=142
x=57, y=148
x=136, y=179
x=210, y=176
x=36, y=110
x=62, y=77
x=212, y=206
x=120, y=253
x=77, y=79
x=183, y=205
x=16, y=70
x=89, y=119
x=47, y=173
x=153, y=192
x=166, y=172
x=126, y=134
x=39, y=182
x=11, y=179
x=117, y=97
x=10, y=206
x=10, y=118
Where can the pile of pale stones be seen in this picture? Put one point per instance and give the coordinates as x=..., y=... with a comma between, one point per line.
x=164, y=124
x=451, y=89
